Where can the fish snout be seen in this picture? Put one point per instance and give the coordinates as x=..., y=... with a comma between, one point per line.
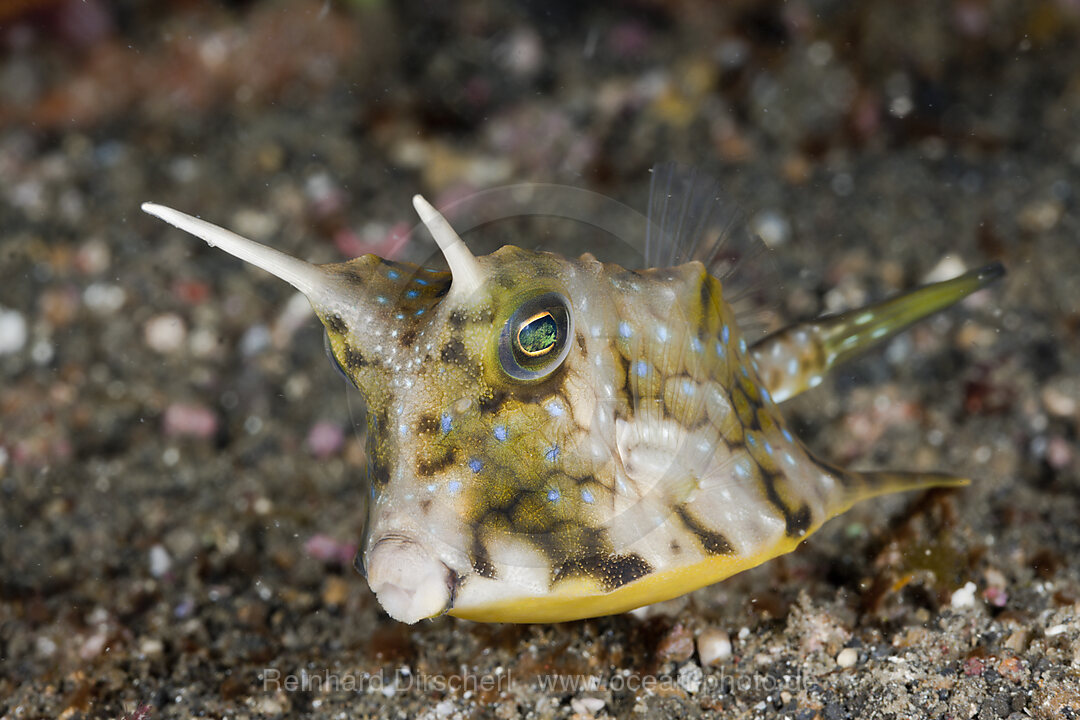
x=409, y=581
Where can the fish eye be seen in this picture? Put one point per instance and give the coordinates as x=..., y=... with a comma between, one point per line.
x=535, y=339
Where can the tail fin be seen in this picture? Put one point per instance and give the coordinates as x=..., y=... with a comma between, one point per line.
x=861, y=486
x=795, y=358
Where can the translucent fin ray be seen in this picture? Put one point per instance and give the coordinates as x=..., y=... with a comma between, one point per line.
x=691, y=218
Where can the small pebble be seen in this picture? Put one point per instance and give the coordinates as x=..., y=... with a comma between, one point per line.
x=677, y=645
x=587, y=705
x=13, y=332
x=335, y=591
x=160, y=561
x=847, y=657
x=1060, y=396
x=1059, y=452
x=93, y=257
x=772, y=227
x=190, y=420
x=691, y=677
x=1055, y=630
x=965, y=596
x=104, y=298
x=327, y=549
x=714, y=646
x=1041, y=215
x=325, y=439
x=165, y=333
x=151, y=647
x=947, y=268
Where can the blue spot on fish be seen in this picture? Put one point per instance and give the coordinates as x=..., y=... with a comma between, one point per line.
x=393, y=275
x=625, y=330
x=446, y=423
x=787, y=434
x=412, y=294
x=641, y=368
x=475, y=465
x=420, y=281
x=587, y=496
x=552, y=453
x=500, y=433
x=553, y=495
x=742, y=345
x=724, y=334
x=453, y=486
x=420, y=312
x=662, y=333
x=695, y=345
x=720, y=349
x=381, y=299
x=554, y=409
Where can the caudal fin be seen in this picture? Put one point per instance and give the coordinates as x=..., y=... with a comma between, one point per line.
x=865, y=485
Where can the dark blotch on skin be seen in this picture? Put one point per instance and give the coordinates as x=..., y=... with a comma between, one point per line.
x=611, y=571
x=799, y=522
x=353, y=358
x=379, y=473
x=428, y=425
x=481, y=562
x=796, y=522
x=335, y=323
x=453, y=352
x=457, y=318
x=493, y=403
x=408, y=338
x=427, y=468
x=713, y=542
x=624, y=569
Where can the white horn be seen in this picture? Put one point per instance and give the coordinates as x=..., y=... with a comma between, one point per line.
x=463, y=266
x=303, y=276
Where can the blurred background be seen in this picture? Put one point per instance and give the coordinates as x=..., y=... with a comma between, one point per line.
x=180, y=469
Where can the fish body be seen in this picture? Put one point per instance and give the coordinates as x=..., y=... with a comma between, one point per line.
x=553, y=438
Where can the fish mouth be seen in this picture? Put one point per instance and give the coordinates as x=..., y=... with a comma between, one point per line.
x=408, y=580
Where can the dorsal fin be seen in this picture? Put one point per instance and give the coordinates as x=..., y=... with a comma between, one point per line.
x=691, y=218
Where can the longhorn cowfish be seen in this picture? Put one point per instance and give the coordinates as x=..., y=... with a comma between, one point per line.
x=551, y=438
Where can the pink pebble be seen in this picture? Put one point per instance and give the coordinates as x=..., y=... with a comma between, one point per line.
x=190, y=420
x=327, y=549
x=996, y=596
x=325, y=439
